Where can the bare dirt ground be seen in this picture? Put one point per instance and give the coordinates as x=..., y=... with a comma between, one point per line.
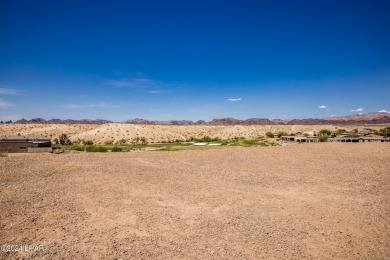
x=318, y=201
x=114, y=132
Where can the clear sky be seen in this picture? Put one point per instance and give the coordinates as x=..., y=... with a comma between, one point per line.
x=193, y=59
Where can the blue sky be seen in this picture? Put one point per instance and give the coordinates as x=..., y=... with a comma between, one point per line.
x=193, y=59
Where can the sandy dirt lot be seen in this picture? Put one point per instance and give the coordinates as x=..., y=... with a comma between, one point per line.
x=157, y=133
x=319, y=201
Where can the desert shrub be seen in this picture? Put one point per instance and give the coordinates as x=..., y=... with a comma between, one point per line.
x=206, y=139
x=88, y=142
x=56, y=141
x=143, y=141
x=76, y=142
x=237, y=138
x=64, y=140
x=109, y=142
x=340, y=131
x=385, y=131
x=283, y=133
x=96, y=149
x=136, y=140
x=323, y=138
x=325, y=132
x=77, y=147
x=269, y=134
x=122, y=141
x=116, y=149
x=56, y=146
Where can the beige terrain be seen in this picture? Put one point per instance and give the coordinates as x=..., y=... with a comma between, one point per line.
x=301, y=201
x=156, y=133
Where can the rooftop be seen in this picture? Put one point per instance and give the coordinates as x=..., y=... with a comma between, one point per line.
x=24, y=138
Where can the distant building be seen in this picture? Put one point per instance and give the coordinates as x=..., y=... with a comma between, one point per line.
x=299, y=139
x=25, y=144
x=353, y=139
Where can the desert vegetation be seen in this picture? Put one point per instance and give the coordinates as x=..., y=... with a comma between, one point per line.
x=174, y=145
x=385, y=131
x=134, y=137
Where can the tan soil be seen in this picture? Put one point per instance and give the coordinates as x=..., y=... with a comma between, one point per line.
x=319, y=201
x=157, y=133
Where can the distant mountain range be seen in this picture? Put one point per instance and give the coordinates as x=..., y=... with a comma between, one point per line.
x=66, y=121
x=369, y=118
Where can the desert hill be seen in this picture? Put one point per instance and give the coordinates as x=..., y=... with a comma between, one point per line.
x=369, y=118
x=102, y=131
x=113, y=132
